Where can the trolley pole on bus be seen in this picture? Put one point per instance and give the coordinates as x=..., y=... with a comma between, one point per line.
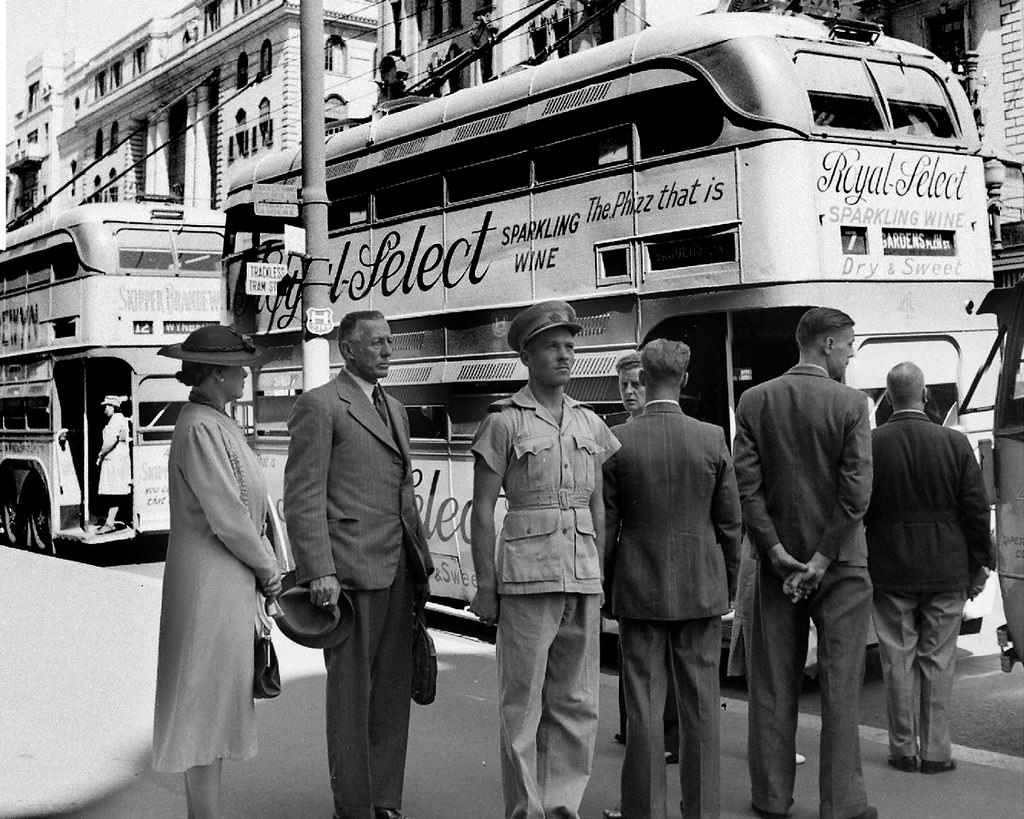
x=317, y=315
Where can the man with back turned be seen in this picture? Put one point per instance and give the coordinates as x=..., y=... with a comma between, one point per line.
x=803, y=465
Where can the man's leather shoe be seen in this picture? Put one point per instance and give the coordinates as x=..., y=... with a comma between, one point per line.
x=389, y=813
x=929, y=767
x=907, y=764
x=671, y=758
x=612, y=813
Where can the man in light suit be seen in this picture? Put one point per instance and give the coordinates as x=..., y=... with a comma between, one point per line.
x=354, y=527
x=803, y=465
x=673, y=527
x=928, y=548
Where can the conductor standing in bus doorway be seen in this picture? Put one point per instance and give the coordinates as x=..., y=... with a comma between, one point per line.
x=543, y=589
x=354, y=530
x=115, y=482
x=671, y=558
x=803, y=465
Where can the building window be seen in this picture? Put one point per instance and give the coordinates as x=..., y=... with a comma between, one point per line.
x=78, y=104
x=335, y=109
x=266, y=59
x=96, y=182
x=437, y=17
x=100, y=83
x=116, y=74
x=241, y=133
x=266, y=124
x=946, y=38
x=33, y=96
x=211, y=17
x=242, y=6
x=396, y=18
x=242, y=71
x=336, y=55
x=454, y=13
x=139, y=60
x=74, y=175
x=33, y=137
x=99, y=143
x=114, y=133
x=112, y=190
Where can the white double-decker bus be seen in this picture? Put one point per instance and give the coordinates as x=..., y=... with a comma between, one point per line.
x=87, y=297
x=705, y=181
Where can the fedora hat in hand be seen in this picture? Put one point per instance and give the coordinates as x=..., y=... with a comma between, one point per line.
x=313, y=626
x=218, y=345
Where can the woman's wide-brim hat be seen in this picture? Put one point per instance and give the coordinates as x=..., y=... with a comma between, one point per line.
x=216, y=344
x=114, y=401
x=314, y=626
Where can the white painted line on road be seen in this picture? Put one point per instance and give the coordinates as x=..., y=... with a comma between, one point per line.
x=974, y=756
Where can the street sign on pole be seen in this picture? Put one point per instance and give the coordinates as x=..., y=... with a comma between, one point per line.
x=294, y=241
x=261, y=279
x=275, y=200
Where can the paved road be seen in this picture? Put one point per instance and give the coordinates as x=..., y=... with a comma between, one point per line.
x=79, y=649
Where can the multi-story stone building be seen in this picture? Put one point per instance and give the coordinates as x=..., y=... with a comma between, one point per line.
x=167, y=109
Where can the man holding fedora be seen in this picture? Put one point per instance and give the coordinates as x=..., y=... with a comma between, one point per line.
x=543, y=590
x=355, y=531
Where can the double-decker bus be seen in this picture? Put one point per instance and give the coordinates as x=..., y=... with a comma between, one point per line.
x=705, y=181
x=86, y=299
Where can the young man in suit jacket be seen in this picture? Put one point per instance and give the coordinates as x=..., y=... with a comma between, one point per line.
x=803, y=465
x=928, y=548
x=354, y=529
x=673, y=527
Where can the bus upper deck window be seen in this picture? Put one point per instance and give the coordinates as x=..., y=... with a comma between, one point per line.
x=586, y=153
x=916, y=101
x=145, y=250
x=840, y=92
x=705, y=119
x=38, y=270
x=37, y=412
x=347, y=211
x=65, y=261
x=408, y=197
x=486, y=178
x=198, y=251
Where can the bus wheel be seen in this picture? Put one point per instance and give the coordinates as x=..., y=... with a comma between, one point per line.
x=38, y=535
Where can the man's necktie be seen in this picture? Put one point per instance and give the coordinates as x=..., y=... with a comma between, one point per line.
x=380, y=406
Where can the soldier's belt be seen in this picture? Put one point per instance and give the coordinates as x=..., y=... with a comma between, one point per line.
x=547, y=499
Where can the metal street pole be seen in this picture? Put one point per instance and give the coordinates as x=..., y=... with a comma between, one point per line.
x=317, y=315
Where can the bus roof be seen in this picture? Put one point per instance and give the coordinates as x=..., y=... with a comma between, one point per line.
x=100, y=212
x=517, y=88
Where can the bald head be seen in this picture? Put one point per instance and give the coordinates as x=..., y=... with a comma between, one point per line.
x=905, y=385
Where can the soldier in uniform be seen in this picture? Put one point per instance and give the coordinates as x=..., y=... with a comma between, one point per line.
x=543, y=588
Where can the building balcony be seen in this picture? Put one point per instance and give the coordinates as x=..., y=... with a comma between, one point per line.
x=27, y=157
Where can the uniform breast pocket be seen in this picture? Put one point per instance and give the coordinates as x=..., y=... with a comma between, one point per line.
x=584, y=456
x=539, y=455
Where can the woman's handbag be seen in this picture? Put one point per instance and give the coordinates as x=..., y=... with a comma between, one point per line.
x=424, y=662
x=266, y=675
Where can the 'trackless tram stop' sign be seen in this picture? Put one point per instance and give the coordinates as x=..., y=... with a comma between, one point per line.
x=275, y=200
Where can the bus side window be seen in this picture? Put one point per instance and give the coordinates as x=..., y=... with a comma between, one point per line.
x=65, y=261
x=38, y=270
x=37, y=412
x=582, y=154
x=486, y=178
x=14, y=277
x=705, y=119
x=408, y=197
x=13, y=412
x=347, y=211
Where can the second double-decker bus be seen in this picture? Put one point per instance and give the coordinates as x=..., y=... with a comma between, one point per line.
x=87, y=297
x=706, y=181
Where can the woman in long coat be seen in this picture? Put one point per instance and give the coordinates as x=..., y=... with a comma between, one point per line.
x=218, y=569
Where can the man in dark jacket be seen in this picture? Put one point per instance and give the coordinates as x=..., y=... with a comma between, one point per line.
x=928, y=548
x=673, y=523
